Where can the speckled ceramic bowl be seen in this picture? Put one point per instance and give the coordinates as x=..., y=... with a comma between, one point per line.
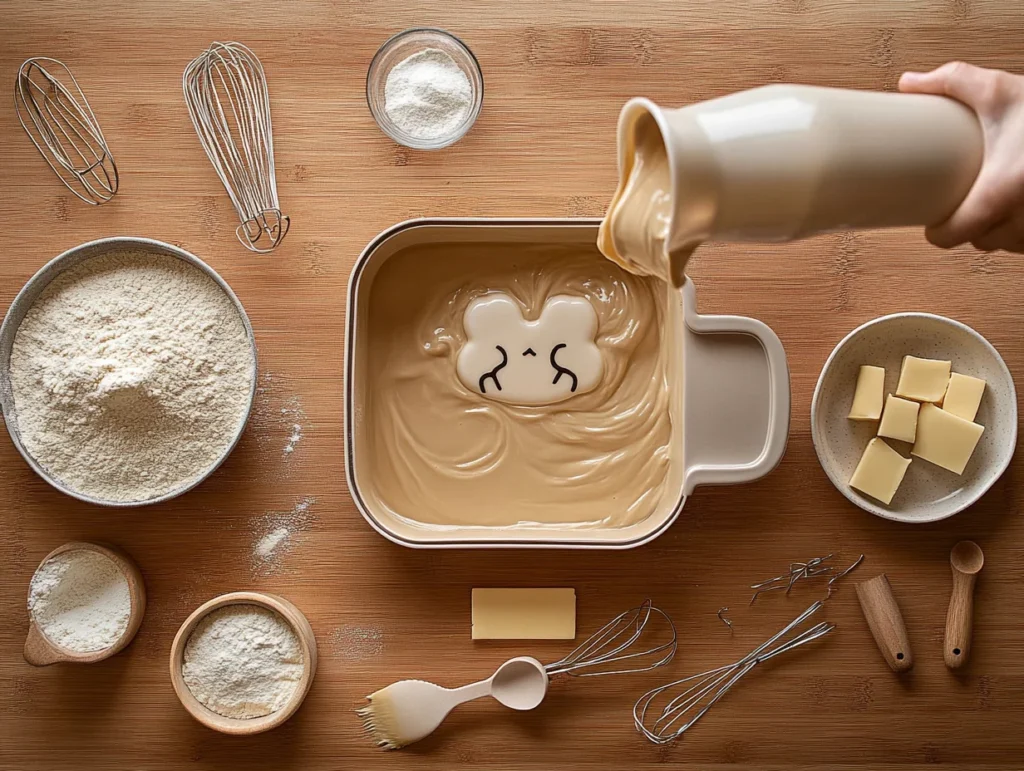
x=928, y=492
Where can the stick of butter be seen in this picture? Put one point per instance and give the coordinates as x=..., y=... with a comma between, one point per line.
x=524, y=614
x=880, y=471
x=945, y=439
x=963, y=396
x=867, y=399
x=923, y=380
x=899, y=420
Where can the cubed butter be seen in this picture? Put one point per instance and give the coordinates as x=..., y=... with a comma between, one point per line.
x=945, y=439
x=880, y=471
x=923, y=380
x=867, y=399
x=963, y=396
x=899, y=419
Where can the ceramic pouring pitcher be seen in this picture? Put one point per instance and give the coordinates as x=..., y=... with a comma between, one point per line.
x=785, y=161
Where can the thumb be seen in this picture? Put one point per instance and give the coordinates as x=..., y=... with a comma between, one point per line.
x=963, y=82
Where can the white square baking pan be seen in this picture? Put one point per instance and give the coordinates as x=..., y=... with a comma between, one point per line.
x=729, y=381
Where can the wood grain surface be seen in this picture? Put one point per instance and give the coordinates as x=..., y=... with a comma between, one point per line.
x=556, y=74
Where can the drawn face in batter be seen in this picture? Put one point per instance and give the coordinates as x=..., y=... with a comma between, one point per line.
x=509, y=359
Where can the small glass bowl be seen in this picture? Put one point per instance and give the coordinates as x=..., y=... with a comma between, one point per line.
x=399, y=47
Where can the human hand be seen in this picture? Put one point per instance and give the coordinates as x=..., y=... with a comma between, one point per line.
x=992, y=215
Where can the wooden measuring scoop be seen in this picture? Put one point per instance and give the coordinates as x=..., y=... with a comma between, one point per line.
x=41, y=651
x=966, y=559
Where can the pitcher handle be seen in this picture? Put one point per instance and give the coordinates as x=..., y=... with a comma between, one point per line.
x=737, y=398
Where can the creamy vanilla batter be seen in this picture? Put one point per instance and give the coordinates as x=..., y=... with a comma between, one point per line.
x=445, y=455
x=635, y=232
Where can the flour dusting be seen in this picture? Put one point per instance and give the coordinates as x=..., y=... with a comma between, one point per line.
x=357, y=642
x=293, y=439
x=278, y=418
x=275, y=533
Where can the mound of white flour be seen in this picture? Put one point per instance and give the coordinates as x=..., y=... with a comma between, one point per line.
x=80, y=600
x=427, y=95
x=131, y=374
x=243, y=661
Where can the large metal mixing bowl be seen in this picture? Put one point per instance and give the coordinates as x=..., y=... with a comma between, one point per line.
x=30, y=293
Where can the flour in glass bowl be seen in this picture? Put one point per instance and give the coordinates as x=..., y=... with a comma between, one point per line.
x=131, y=374
x=427, y=95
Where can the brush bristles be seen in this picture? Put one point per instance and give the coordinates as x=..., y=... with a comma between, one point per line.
x=379, y=721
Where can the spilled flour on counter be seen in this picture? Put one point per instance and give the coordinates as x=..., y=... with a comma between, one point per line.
x=275, y=532
x=80, y=600
x=276, y=415
x=356, y=643
x=243, y=661
x=293, y=439
x=293, y=414
x=266, y=546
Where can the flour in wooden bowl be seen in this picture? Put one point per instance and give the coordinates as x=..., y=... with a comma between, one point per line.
x=243, y=661
x=131, y=375
x=81, y=601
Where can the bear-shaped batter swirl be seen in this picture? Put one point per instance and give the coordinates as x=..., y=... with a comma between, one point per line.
x=509, y=359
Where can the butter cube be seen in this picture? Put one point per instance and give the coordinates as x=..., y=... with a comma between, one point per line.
x=880, y=471
x=945, y=439
x=963, y=395
x=867, y=399
x=899, y=420
x=923, y=380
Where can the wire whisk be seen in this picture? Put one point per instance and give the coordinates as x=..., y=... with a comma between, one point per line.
x=613, y=643
x=702, y=691
x=55, y=114
x=226, y=93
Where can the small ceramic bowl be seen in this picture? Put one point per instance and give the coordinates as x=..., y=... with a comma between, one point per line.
x=40, y=651
x=399, y=47
x=928, y=492
x=246, y=726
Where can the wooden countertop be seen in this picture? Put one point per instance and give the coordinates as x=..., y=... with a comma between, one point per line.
x=556, y=74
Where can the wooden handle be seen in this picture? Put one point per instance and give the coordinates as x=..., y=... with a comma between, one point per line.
x=886, y=622
x=959, y=620
x=38, y=650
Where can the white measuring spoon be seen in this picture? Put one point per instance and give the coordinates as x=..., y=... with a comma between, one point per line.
x=409, y=710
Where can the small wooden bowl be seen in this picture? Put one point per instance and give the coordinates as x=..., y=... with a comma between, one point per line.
x=40, y=651
x=255, y=725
